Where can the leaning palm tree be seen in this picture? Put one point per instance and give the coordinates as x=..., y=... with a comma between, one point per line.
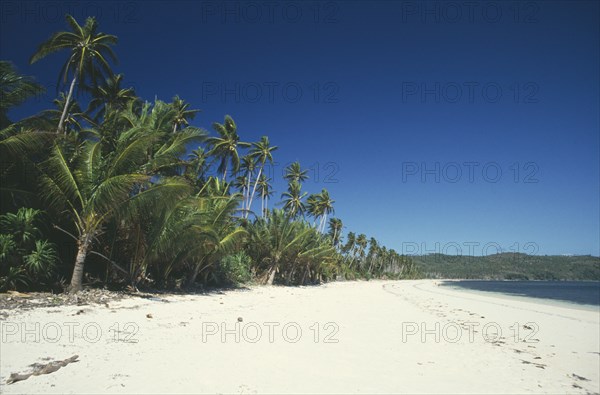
x=15, y=89
x=292, y=200
x=98, y=184
x=295, y=173
x=89, y=50
x=335, y=230
x=324, y=207
x=183, y=114
x=262, y=152
x=225, y=146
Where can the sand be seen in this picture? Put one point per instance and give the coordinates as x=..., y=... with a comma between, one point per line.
x=353, y=337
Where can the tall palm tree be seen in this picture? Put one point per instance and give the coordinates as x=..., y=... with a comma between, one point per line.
x=292, y=199
x=15, y=89
x=182, y=113
x=262, y=151
x=265, y=191
x=224, y=147
x=247, y=168
x=89, y=50
x=335, y=230
x=295, y=173
x=361, y=242
x=325, y=207
x=51, y=118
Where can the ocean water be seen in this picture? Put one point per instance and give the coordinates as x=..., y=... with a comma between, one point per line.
x=581, y=292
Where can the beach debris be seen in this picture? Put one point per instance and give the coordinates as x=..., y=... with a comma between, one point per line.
x=527, y=327
x=79, y=312
x=149, y=315
x=537, y=365
x=240, y=319
x=578, y=377
x=40, y=369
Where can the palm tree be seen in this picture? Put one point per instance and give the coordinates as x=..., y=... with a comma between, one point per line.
x=295, y=173
x=292, y=199
x=182, y=113
x=290, y=248
x=15, y=89
x=335, y=230
x=262, y=152
x=361, y=242
x=319, y=206
x=225, y=146
x=247, y=167
x=99, y=184
x=197, y=162
x=325, y=207
x=110, y=96
x=89, y=50
x=51, y=118
x=265, y=191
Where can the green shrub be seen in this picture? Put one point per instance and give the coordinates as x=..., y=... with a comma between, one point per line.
x=235, y=269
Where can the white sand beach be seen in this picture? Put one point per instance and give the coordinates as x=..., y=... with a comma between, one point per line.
x=350, y=337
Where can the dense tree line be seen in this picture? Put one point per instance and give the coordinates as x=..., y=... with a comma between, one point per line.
x=108, y=188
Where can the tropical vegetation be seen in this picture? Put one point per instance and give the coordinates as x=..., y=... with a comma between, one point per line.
x=106, y=188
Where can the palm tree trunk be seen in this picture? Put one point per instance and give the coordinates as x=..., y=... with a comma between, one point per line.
x=225, y=172
x=174, y=127
x=77, y=279
x=254, y=189
x=67, y=101
x=271, y=277
x=194, y=274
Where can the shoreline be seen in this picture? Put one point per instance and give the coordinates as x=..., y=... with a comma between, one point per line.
x=373, y=336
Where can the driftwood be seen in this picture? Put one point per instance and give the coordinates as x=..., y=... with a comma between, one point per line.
x=47, y=368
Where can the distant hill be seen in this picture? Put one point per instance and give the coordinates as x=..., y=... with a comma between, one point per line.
x=510, y=266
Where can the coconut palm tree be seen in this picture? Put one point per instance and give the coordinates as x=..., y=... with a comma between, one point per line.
x=224, y=147
x=109, y=95
x=265, y=191
x=292, y=249
x=262, y=152
x=247, y=168
x=325, y=207
x=99, y=184
x=89, y=51
x=182, y=113
x=15, y=89
x=335, y=230
x=361, y=243
x=292, y=199
x=295, y=173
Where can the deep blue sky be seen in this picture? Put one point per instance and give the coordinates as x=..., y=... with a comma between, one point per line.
x=387, y=90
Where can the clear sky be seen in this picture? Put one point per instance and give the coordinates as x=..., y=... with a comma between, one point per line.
x=434, y=125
